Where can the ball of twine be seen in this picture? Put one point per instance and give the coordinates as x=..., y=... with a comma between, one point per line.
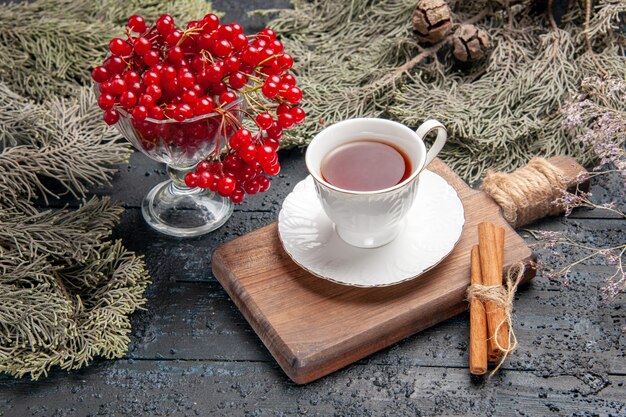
x=528, y=193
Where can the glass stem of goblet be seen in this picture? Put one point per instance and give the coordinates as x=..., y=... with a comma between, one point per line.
x=177, y=175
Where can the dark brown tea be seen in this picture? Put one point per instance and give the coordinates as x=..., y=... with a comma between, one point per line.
x=365, y=165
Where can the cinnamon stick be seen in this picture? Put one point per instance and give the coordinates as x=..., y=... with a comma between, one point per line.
x=491, y=249
x=478, y=322
x=504, y=330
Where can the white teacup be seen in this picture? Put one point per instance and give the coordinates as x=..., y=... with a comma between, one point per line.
x=368, y=219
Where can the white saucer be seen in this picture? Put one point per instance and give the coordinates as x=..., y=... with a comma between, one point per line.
x=433, y=227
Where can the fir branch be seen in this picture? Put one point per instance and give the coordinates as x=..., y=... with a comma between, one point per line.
x=66, y=290
x=499, y=112
x=69, y=144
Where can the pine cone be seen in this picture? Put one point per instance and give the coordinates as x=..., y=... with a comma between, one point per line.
x=431, y=20
x=470, y=43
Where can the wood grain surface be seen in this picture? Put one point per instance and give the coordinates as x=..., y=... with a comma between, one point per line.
x=313, y=327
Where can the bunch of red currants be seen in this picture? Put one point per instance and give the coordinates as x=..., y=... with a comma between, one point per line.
x=161, y=72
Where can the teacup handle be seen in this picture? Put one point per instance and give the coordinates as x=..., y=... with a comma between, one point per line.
x=442, y=136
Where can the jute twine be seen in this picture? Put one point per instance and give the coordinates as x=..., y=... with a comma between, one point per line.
x=503, y=297
x=528, y=193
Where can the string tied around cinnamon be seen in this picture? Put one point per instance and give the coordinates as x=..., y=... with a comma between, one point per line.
x=502, y=296
x=528, y=193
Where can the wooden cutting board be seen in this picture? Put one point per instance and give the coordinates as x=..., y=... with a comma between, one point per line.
x=314, y=327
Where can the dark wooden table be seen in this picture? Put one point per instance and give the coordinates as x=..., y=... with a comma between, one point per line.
x=192, y=352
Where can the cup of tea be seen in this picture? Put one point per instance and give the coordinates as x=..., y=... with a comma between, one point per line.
x=366, y=174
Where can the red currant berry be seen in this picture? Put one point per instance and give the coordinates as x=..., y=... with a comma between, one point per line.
x=241, y=139
x=114, y=65
x=246, y=172
x=225, y=186
x=140, y=113
x=298, y=114
x=183, y=112
x=111, y=117
x=168, y=73
x=272, y=143
x=272, y=169
x=186, y=80
x=130, y=77
x=204, y=106
x=226, y=32
x=266, y=54
x=136, y=24
x=191, y=179
x=205, y=179
x=154, y=91
x=119, y=47
x=286, y=120
x=213, y=184
x=250, y=56
x=251, y=187
x=285, y=61
x=271, y=67
x=100, y=74
x=106, y=101
x=156, y=112
x=277, y=46
x=105, y=88
x=190, y=97
x=270, y=89
x=205, y=41
x=165, y=24
x=142, y=45
x=237, y=195
x=219, y=88
x=222, y=47
x=237, y=28
x=239, y=41
x=118, y=86
x=237, y=80
x=151, y=58
x=174, y=37
x=267, y=34
x=232, y=64
x=136, y=88
x=293, y=95
x=213, y=74
x=275, y=131
x=193, y=24
x=233, y=163
x=128, y=99
x=203, y=166
x=274, y=78
x=265, y=153
x=227, y=97
x=175, y=54
x=198, y=63
x=288, y=79
x=146, y=100
x=215, y=167
x=248, y=153
x=210, y=22
x=282, y=108
x=264, y=120
x=151, y=78
x=264, y=183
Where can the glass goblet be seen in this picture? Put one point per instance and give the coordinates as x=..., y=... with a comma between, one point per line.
x=171, y=207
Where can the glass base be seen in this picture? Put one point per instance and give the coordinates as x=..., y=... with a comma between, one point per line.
x=185, y=212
